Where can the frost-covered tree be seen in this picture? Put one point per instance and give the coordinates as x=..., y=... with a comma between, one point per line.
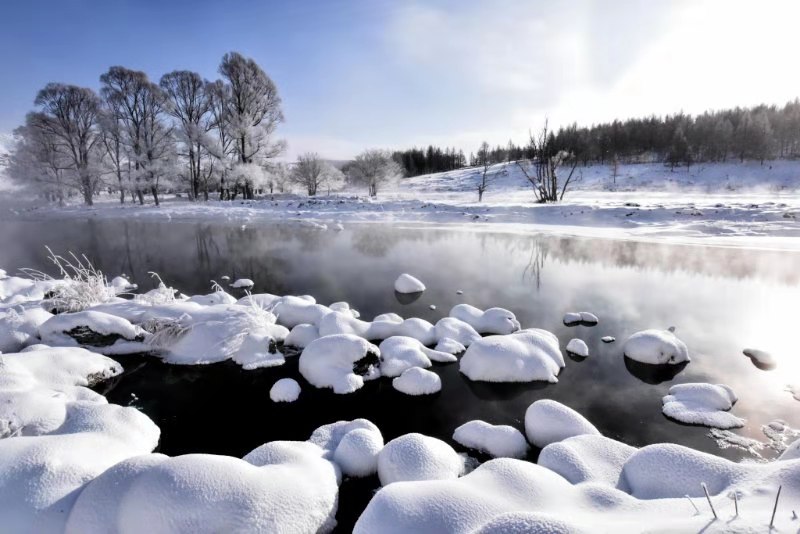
x=679, y=150
x=373, y=168
x=140, y=107
x=114, y=153
x=312, y=173
x=62, y=138
x=252, y=112
x=37, y=164
x=190, y=105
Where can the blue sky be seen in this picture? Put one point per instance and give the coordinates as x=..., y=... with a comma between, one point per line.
x=379, y=73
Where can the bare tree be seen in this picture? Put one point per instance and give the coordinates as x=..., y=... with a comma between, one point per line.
x=487, y=176
x=546, y=163
x=190, y=105
x=220, y=147
x=111, y=136
x=253, y=112
x=373, y=168
x=35, y=160
x=67, y=124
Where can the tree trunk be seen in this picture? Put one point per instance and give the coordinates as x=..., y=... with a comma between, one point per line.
x=155, y=195
x=140, y=194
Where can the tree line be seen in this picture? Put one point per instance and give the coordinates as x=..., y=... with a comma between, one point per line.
x=757, y=133
x=137, y=137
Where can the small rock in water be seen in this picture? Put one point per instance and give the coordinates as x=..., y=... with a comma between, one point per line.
x=608, y=339
x=580, y=318
x=432, y=306
x=242, y=283
x=578, y=348
x=406, y=283
x=761, y=359
x=459, y=292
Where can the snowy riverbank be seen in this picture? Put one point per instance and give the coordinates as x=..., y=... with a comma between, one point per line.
x=720, y=204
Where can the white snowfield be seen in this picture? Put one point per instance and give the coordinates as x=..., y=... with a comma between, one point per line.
x=736, y=204
x=702, y=404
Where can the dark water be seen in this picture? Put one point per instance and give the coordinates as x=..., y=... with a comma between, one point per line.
x=720, y=300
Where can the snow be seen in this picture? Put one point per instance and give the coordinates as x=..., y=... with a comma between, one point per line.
x=580, y=318
x=257, y=351
x=54, y=331
x=586, y=458
x=498, y=441
x=548, y=421
x=19, y=326
x=702, y=404
x=792, y=452
x=522, y=357
x=656, y=347
x=414, y=457
x=406, y=283
x=417, y=381
x=491, y=321
x=243, y=283
x=301, y=335
x=285, y=390
x=450, y=346
x=457, y=330
x=328, y=362
x=399, y=353
x=353, y=445
x=608, y=339
x=578, y=347
x=761, y=359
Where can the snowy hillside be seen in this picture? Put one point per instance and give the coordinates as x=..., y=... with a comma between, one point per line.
x=5, y=153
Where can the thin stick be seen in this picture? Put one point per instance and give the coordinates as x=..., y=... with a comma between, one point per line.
x=705, y=489
x=736, y=503
x=696, y=509
x=775, y=508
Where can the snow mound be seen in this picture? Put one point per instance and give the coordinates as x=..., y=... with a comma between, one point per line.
x=418, y=457
x=529, y=523
x=522, y=357
x=792, y=452
x=285, y=390
x=99, y=331
x=19, y=327
x=340, y=362
x=587, y=458
x=399, y=353
x=215, y=297
x=301, y=335
x=499, y=441
x=457, y=330
x=284, y=487
x=258, y=351
x=761, y=359
x=292, y=311
x=406, y=283
x=120, y=284
x=243, y=283
x=702, y=404
x=450, y=346
x=608, y=339
x=548, y=421
x=656, y=347
x=491, y=321
x=578, y=348
x=417, y=381
x=580, y=318
x=353, y=445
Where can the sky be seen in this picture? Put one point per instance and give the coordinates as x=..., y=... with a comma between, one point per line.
x=356, y=74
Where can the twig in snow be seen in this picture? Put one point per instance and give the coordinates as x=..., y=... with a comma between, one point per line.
x=705, y=489
x=696, y=509
x=775, y=508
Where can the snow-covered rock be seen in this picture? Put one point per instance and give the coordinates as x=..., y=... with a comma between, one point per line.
x=656, y=347
x=580, y=318
x=491, y=321
x=353, y=445
x=450, y=346
x=19, y=326
x=608, y=339
x=587, y=458
x=418, y=457
x=301, y=335
x=761, y=358
x=99, y=331
x=578, y=347
x=498, y=441
x=285, y=390
x=702, y=404
x=215, y=297
x=243, y=283
x=548, y=421
x=417, y=381
x=120, y=284
x=457, y=330
x=257, y=351
x=399, y=353
x=522, y=357
x=406, y=283
x=332, y=362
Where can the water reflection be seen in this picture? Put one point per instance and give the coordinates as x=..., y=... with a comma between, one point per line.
x=721, y=300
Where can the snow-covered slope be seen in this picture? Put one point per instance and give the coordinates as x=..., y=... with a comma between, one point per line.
x=5, y=154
